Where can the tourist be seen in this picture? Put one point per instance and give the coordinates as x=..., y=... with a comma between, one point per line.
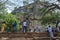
x=57, y=29
x=3, y=26
x=59, y=26
x=50, y=31
x=14, y=26
x=24, y=25
x=37, y=30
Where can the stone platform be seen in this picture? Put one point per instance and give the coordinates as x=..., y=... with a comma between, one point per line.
x=26, y=36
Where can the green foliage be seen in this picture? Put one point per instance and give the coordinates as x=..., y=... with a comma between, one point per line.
x=36, y=1
x=48, y=18
x=2, y=7
x=9, y=19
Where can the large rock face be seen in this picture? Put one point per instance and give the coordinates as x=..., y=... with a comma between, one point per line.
x=25, y=36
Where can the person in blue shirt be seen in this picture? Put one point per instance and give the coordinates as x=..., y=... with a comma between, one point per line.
x=14, y=26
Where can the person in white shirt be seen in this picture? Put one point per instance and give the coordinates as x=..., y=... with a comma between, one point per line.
x=58, y=24
x=37, y=30
x=24, y=26
x=58, y=27
x=50, y=31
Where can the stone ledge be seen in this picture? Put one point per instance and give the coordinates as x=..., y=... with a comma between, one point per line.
x=26, y=35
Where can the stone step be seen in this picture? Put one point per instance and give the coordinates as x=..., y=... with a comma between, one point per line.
x=27, y=36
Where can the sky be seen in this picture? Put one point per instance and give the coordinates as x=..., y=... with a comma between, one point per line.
x=19, y=3
x=11, y=7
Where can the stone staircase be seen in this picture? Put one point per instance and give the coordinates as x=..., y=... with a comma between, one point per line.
x=27, y=36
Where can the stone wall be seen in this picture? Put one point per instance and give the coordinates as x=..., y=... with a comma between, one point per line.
x=24, y=36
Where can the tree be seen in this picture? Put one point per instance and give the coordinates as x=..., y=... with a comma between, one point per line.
x=9, y=20
x=2, y=6
x=47, y=8
x=48, y=18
